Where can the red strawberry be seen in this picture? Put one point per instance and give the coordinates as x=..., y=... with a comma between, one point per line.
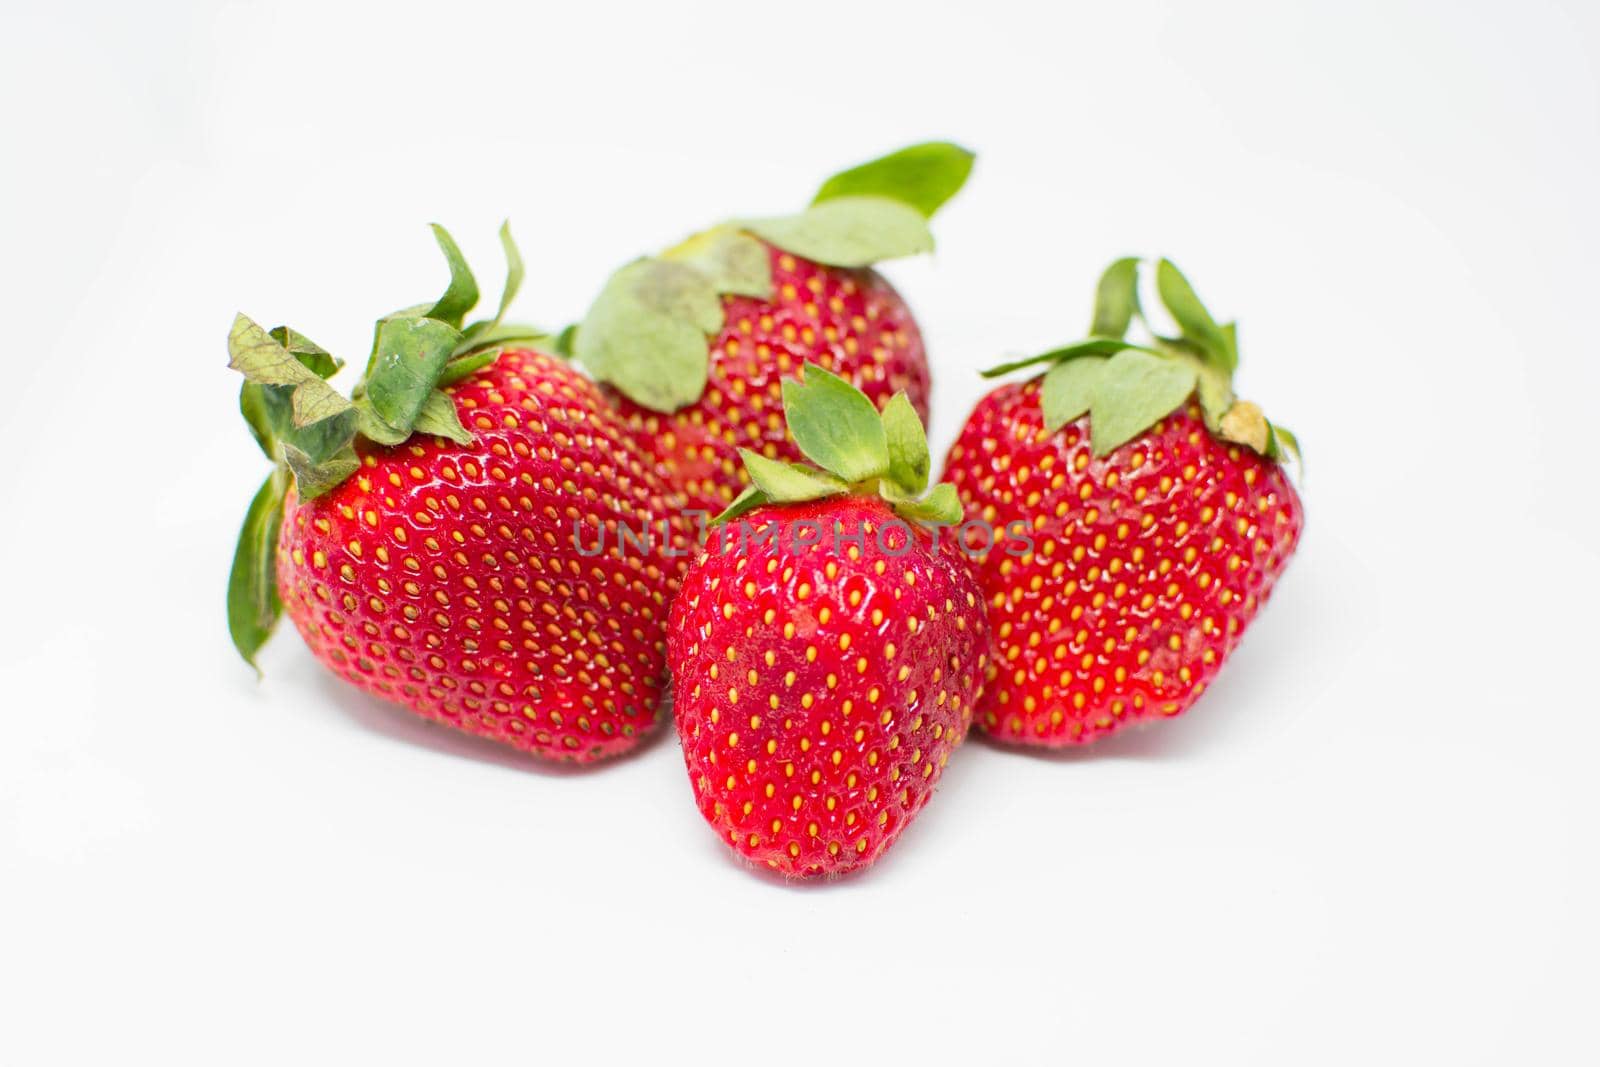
x=441, y=543
x=827, y=649
x=1142, y=517
x=695, y=342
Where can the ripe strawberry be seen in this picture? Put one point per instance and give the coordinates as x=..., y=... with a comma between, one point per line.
x=459, y=572
x=1143, y=518
x=695, y=342
x=827, y=649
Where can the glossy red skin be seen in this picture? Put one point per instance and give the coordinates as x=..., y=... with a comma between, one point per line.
x=1147, y=566
x=850, y=322
x=444, y=577
x=806, y=775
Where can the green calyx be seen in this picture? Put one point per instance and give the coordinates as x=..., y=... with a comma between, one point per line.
x=648, y=332
x=1125, y=386
x=856, y=451
x=309, y=429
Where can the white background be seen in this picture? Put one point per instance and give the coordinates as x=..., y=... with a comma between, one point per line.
x=1373, y=841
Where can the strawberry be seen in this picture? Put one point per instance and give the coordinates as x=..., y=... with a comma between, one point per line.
x=449, y=540
x=1140, y=517
x=827, y=649
x=695, y=342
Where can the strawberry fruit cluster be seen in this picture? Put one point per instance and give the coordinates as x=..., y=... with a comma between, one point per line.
x=734, y=505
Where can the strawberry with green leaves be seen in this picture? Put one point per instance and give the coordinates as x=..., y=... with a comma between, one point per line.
x=829, y=646
x=1142, y=516
x=696, y=341
x=448, y=538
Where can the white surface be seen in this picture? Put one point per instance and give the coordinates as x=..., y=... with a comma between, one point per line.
x=1373, y=840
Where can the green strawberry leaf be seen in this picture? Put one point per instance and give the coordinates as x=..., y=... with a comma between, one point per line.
x=1215, y=389
x=1198, y=327
x=322, y=439
x=253, y=604
x=790, y=483
x=312, y=479
x=1116, y=299
x=373, y=428
x=486, y=331
x=1133, y=392
x=565, y=343
x=410, y=354
x=747, y=501
x=438, y=417
x=1094, y=346
x=1068, y=390
x=461, y=295
x=909, y=462
x=835, y=425
x=467, y=365
x=1126, y=388
x=1285, y=445
x=646, y=333
x=269, y=411
x=313, y=356
x=253, y=406
x=849, y=231
x=924, y=176
x=499, y=335
x=941, y=507
x=1230, y=337
x=1214, y=386
x=256, y=354
x=284, y=398
x=310, y=407
x=735, y=263
x=514, y=272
